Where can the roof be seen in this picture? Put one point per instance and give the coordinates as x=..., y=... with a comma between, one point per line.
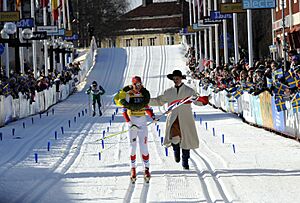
x=156, y=9
x=155, y=18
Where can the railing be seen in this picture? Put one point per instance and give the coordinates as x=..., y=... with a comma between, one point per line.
x=259, y=110
x=13, y=109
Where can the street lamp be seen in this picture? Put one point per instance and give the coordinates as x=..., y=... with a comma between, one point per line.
x=4, y=34
x=27, y=34
x=10, y=28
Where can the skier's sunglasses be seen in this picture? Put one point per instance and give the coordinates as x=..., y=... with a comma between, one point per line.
x=138, y=85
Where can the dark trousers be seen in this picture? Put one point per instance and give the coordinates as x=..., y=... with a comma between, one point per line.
x=94, y=104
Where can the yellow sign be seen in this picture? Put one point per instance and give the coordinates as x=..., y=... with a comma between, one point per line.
x=68, y=33
x=232, y=7
x=9, y=16
x=190, y=29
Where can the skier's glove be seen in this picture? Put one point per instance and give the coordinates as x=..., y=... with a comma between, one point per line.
x=194, y=98
x=155, y=120
x=124, y=103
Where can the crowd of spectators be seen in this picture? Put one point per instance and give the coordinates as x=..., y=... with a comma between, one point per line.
x=266, y=75
x=28, y=85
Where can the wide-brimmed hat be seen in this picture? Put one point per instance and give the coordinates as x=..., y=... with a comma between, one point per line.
x=176, y=73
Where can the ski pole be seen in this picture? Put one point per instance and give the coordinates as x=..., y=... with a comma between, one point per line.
x=179, y=103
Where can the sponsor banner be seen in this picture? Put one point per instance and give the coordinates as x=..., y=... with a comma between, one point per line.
x=258, y=4
x=266, y=109
x=278, y=118
x=72, y=38
x=290, y=119
x=217, y=15
x=184, y=31
x=68, y=33
x=223, y=100
x=298, y=125
x=49, y=29
x=60, y=32
x=199, y=26
x=248, y=114
x=256, y=109
x=207, y=20
x=39, y=36
x=25, y=23
x=232, y=7
x=9, y=16
x=1, y=49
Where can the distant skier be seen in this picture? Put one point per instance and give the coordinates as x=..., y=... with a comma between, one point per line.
x=180, y=130
x=135, y=98
x=93, y=89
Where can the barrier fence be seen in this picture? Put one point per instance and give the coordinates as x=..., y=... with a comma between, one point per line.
x=259, y=110
x=13, y=109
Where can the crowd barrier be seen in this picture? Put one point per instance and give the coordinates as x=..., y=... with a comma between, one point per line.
x=259, y=110
x=13, y=109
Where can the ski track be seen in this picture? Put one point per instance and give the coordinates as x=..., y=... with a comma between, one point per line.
x=43, y=185
x=38, y=138
x=208, y=173
x=79, y=144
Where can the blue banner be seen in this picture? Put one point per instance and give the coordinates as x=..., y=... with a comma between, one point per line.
x=217, y=15
x=255, y=104
x=278, y=117
x=258, y=4
x=1, y=49
x=25, y=23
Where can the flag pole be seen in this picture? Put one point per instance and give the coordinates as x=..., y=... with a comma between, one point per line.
x=34, y=61
x=45, y=6
x=6, y=46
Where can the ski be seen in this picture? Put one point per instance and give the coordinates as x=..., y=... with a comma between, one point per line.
x=173, y=106
x=133, y=180
x=147, y=179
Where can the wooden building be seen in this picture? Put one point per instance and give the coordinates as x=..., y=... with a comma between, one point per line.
x=151, y=24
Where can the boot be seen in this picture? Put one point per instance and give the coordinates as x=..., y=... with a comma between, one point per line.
x=94, y=113
x=176, y=149
x=133, y=173
x=147, y=175
x=185, y=158
x=100, y=113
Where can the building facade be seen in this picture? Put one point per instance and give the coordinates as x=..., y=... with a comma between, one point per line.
x=150, y=24
x=291, y=10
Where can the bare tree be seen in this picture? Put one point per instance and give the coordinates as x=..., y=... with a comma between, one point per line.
x=97, y=18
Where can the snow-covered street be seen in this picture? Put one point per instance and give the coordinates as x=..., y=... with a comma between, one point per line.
x=262, y=166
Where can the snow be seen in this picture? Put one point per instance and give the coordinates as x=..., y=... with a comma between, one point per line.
x=264, y=168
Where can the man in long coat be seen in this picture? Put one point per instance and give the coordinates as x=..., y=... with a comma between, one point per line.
x=180, y=125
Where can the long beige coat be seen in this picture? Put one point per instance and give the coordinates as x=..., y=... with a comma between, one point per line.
x=189, y=137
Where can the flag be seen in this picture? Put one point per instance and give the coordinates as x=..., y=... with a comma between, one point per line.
x=237, y=93
x=280, y=104
x=296, y=100
x=296, y=109
x=290, y=79
x=277, y=74
x=269, y=82
x=44, y=3
x=247, y=86
x=54, y=6
x=6, y=90
x=279, y=88
x=18, y=4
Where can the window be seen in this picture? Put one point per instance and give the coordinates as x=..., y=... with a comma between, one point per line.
x=111, y=43
x=127, y=42
x=140, y=42
x=167, y=40
x=172, y=40
x=152, y=41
